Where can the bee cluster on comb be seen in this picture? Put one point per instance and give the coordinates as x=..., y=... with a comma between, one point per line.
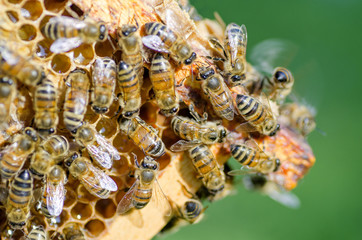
x=115, y=112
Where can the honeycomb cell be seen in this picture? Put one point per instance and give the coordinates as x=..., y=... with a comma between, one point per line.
x=120, y=195
x=27, y=32
x=106, y=208
x=60, y=63
x=121, y=166
x=107, y=127
x=13, y=16
x=54, y=5
x=60, y=220
x=117, y=56
x=81, y=211
x=118, y=181
x=163, y=121
x=95, y=227
x=42, y=48
x=169, y=137
x=36, y=220
x=31, y=10
x=55, y=235
x=149, y=113
x=2, y=218
x=84, y=196
x=83, y=54
x=104, y=49
x=122, y=143
x=113, y=109
x=15, y=1
x=164, y=160
x=70, y=197
x=90, y=115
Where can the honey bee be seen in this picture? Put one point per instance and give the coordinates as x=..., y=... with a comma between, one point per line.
x=162, y=39
x=144, y=188
x=20, y=195
x=37, y=233
x=205, y=163
x=13, y=156
x=234, y=51
x=7, y=94
x=252, y=157
x=130, y=42
x=219, y=94
x=97, y=146
x=163, y=82
x=20, y=68
x=93, y=179
x=257, y=114
x=70, y=33
x=299, y=117
x=45, y=106
x=104, y=76
x=73, y=232
x=196, y=131
x=54, y=192
x=130, y=86
x=76, y=99
x=57, y=146
x=191, y=10
x=143, y=135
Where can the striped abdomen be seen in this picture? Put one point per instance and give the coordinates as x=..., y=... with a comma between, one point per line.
x=186, y=128
x=37, y=234
x=21, y=190
x=131, y=53
x=44, y=205
x=245, y=155
x=167, y=36
x=57, y=146
x=130, y=89
x=55, y=30
x=7, y=94
x=251, y=109
x=142, y=196
x=192, y=210
x=234, y=34
x=76, y=99
x=203, y=159
x=45, y=105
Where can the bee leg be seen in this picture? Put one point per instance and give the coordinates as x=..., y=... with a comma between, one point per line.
x=193, y=113
x=216, y=59
x=217, y=45
x=185, y=191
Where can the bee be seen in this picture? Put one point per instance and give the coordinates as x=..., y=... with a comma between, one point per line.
x=7, y=94
x=54, y=192
x=219, y=94
x=93, y=179
x=20, y=195
x=196, y=131
x=97, y=146
x=191, y=10
x=162, y=39
x=299, y=117
x=57, y=146
x=252, y=157
x=70, y=33
x=191, y=210
x=143, y=135
x=76, y=99
x=205, y=163
x=45, y=106
x=13, y=156
x=37, y=233
x=144, y=188
x=20, y=68
x=73, y=232
x=234, y=51
x=130, y=42
x=163, y=82
x=130, y=86
x=258, y=115
x=104, y=76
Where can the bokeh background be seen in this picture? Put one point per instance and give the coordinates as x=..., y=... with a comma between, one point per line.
x=328, y=75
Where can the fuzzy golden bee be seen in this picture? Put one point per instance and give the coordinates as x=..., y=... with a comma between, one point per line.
x=38, y=233
x=162, y=39
x=7, y=94
x=163, y=82
x=191, y=210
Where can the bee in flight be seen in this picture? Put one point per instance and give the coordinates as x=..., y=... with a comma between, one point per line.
x=93, y=179
x=163, y=82
x=252, y=157
x=196, y=131
x=234, y=51
x=97, y=146
x=54, y=192
x=162, y=39
x=45, y=106
x=18, y=203
x=7, y=95
x=143, y=135
x=70, y=33
x=219, y=94
x=258, y=115
x=15, y=65
x=104, y=76
x=37, y=233
x=145, y=188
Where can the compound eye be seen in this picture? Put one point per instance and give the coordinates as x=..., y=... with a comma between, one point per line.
x=51, y=130
x=128, y=114
x=173, y=110
x=281, y=76
x=236, y=78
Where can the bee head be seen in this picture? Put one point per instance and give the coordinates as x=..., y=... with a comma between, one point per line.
x=222, y=133
x=236, y=79
x=149, y=163
x=99, y=110
x=273, y=132
x=189, y=60
x=205, y=73
x=5, y=90
x=127, y=30
x=103, y=33
x=282, y=75
x=190, y=206
x=31, y=133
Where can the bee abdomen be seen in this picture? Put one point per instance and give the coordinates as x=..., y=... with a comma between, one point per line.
x=21, y=189
x=142, y=197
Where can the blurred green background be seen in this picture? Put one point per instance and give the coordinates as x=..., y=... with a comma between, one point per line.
x=329, y=36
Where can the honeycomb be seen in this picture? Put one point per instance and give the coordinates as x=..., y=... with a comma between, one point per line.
x=21, y=21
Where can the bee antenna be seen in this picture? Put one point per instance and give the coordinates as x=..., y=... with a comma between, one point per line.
x=135, y=160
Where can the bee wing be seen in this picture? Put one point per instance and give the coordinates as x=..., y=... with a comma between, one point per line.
x=155, y=43
x=246, y=127
x=183, y=145
x=234, y=42
x=161, y=199
x=242, y=171
x=172, y=24
x=68, y=22
x=126, y=202
x=107, y=146
x=103, y=158
x=55, y=198
x=65, y=44
x=283, y=197
x=10, y=57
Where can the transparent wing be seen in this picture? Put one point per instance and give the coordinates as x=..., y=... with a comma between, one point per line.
x=246, y=127
x=68, y=22
x=155, y=43
x=183, y=145
x=126, y=202
x=10, y=57
x=214, y=96
x=55, y=198
x=65, y=44
x=107, y=146
x=243, y=171
x=103, y=158
x=172, y=20
x=283, y=197
x=234, y=41
x=161, y=200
